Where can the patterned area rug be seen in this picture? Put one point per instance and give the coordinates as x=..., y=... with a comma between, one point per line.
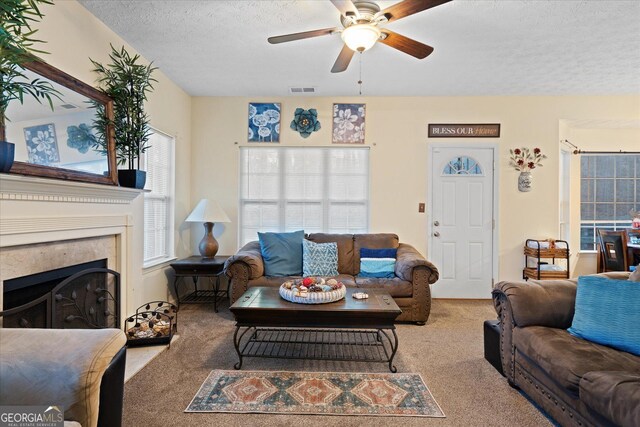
x=317, y=393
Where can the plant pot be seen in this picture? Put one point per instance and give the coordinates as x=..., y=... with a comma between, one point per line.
x=7, y=153
x=132, y=178
x=525, y=180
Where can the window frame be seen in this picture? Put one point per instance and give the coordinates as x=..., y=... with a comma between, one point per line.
x=280, y=202
x=608, y=224
x=149, y=264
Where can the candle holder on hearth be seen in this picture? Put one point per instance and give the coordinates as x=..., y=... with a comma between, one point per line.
x=154, y=323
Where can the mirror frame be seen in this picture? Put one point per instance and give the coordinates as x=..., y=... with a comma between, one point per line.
x=70, y=82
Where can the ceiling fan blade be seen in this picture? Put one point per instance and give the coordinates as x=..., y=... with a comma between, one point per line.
x=406, y=45
x=408, y=7
x=300, y=36
x=346, y=8
x=343, y=60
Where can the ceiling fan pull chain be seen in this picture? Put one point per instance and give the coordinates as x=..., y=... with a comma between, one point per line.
x=360, y=79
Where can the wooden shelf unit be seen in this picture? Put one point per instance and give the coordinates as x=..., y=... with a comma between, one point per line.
x=538, y=253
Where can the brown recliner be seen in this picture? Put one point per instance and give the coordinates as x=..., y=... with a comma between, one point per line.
x=577, y=382
x=409, y=288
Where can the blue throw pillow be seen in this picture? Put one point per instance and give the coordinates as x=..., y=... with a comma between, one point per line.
x=607, y=313
x=319, y=259
x=377, y=267
x=378, y=253
x=282, y=253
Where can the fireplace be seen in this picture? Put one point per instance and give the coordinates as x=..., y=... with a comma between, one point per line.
x=84, y=295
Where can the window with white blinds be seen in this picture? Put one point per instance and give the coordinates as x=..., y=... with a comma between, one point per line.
x=303, y=188
x=159, y=200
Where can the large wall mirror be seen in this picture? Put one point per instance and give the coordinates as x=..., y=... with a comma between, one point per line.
x=58, y=143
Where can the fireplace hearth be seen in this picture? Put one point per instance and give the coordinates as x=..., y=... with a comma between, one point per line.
x=77, y=297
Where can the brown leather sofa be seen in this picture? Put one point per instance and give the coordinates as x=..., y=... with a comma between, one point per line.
x=80, y=369
x=410, y=288
x=577, y=382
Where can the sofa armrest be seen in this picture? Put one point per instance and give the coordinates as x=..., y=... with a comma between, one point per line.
x=548, y=303
x=249, y=255
x=539, y=303
x=63, y=366
x=245, y=265
x=408, y=258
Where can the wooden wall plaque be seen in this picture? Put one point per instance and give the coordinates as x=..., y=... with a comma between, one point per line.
x=488, y=130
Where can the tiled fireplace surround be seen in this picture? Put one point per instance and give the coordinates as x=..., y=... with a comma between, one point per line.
x=47, y=224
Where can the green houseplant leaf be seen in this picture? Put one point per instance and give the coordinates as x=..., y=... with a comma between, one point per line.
x=127, y=82
x=17, y=47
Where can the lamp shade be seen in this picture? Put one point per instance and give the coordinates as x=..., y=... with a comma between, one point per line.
x=207, y=211
x=360, y=37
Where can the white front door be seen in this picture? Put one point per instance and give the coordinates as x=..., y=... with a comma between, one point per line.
x=462, y=221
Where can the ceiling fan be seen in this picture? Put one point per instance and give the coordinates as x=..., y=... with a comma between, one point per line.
x=362, y=23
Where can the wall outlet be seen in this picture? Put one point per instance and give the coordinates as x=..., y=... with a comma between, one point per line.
x=421, y=207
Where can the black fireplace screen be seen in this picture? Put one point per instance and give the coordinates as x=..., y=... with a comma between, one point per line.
x=87, y=299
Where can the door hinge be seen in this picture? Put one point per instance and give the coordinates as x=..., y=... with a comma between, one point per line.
x=493, y=224
x=493, y=282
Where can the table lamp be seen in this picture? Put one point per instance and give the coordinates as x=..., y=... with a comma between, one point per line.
x=208, y=212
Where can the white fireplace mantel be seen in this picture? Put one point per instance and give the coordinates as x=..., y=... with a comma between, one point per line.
x=41, y=211
x=18, y=187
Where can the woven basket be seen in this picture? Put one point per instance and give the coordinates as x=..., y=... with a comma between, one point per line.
x=314, y=297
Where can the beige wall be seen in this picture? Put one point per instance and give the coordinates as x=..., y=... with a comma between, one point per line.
x=592, y=140
x=73, y=36
x=397, y=133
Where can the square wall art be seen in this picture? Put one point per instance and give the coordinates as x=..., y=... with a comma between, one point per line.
x=264, y=122
x=42, y=144
x=348, y=123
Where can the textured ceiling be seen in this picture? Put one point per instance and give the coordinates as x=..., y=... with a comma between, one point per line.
x=217, y=48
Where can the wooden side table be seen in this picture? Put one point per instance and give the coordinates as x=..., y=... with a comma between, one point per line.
x=197, y=267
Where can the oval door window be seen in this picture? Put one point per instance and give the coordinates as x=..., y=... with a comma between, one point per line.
x=462, y=165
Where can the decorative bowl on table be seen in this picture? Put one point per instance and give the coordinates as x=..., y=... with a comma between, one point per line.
x=312, y=290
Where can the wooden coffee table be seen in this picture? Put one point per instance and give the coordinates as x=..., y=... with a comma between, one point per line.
x=349, y=329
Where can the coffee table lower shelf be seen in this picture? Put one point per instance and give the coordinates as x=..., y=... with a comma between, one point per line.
x=359, y=345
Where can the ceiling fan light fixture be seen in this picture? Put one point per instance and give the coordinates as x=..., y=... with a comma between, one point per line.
x=360, y=37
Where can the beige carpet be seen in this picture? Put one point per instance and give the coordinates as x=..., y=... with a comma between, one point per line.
x=447, y=352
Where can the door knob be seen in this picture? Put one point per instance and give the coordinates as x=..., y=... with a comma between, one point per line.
x=436, y=223
x=435, y=233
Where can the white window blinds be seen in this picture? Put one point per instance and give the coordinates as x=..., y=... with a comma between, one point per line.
x=300, y=188
x=159, y=201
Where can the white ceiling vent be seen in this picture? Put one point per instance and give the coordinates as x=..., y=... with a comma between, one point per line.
x=297, y=90
x=68, y=106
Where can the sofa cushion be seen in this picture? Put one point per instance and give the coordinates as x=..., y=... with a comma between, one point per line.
x=606, y=312
x=396, y=286
x=319, y=259
x=377, y=267
x=378, y=253
x=65, y=366
x=282, y=253
x=566, y=358
x=277, y=281
x=345, y=249
x=614, y=395
x=372, y=241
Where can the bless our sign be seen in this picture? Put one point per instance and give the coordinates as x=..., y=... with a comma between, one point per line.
x=491, y=130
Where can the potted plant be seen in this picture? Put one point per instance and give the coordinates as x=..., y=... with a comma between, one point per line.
x=127, y=82
x=16, y=49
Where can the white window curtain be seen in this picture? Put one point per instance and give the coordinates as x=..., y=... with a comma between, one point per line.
x=159, y=200
x=303, y=188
